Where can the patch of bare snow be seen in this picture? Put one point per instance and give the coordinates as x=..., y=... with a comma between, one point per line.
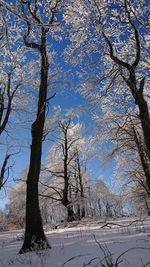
x=84, y=244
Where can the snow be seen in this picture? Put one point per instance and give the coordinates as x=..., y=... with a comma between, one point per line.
x=81, y=244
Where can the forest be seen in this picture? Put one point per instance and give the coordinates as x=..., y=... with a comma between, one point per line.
x=74, y=121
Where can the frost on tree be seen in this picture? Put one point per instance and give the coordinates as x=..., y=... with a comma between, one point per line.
x=11, y=81
x=66, y=172
x=114, y=34
x=39, y=21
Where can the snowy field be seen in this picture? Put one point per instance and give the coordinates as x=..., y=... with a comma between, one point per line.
x=122, y=242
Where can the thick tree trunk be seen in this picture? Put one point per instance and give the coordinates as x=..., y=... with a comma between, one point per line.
x=146, y=169
x=34, y=234
x=71, y=214
x=143, y=158
x=147, y=206
x=144, y=116
x=68, y=205
x=83, y=212
x=78, y=216
x=145, y=121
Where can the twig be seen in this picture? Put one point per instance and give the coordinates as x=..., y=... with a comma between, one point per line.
x=78, y=256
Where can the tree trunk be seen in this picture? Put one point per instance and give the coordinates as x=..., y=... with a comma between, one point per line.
x=137, y=94
x=81, y=186
x=145, y=121
x=147, y=206
x=78, y=216
x=34, y=234
x=143, y=158
x=82, y=212
x=65, y=199
x=71, y=214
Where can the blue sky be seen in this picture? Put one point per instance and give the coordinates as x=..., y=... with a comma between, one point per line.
x=66, y=99
x=73, y=101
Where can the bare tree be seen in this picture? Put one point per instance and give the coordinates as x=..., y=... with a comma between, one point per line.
x=65, y=183
x=61, y=169
x=79, y=188
x=10, y=84
x=32, y=12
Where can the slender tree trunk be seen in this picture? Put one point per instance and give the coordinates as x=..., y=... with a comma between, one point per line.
x=77, y=193
x=34, y=233
x=1, y=107
x=100, y=208
x=81, y=187
x=65, y=200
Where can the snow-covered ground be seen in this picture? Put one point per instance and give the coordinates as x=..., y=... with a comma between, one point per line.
x=87, y=243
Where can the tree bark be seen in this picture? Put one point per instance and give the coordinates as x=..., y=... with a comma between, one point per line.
x=145, y=121
x=71, y=214
x=143, y=158
x=34, y=234
x=82, y=208
x=147, y=206
x=65, y=199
